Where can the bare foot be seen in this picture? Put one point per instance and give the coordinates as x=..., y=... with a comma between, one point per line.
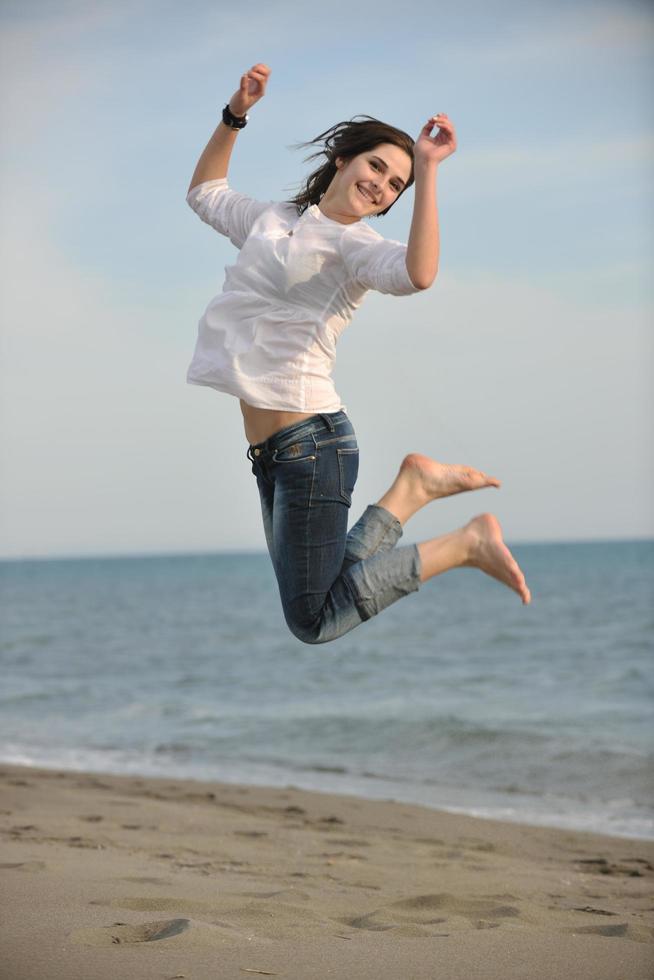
x=489, y=553
x=431, y=479
x=421, y=480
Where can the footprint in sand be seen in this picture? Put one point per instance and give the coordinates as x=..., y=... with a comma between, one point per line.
x=284, y=916
x=349, y=842
x=630, y=867
x=122, y=932
x=368, y=922
x=476, y=844
x=292, y=894
x=24, y=866
x=434, y=910
x=338, y=857
x=621, y=930
x=145, y=880
x=90, y=782
x=81, y=842
x=177, y=932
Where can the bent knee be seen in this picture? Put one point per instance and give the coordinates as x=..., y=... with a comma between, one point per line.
x=312, y=621
x=307, y=632
x=308, y=627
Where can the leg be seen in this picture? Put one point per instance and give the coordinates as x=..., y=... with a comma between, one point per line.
x=311, y=471
x=329, y=581
x=419, y=481
x=376, y=531
x=478, y=545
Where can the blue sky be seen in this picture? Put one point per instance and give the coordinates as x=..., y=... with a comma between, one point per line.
x=530, y=357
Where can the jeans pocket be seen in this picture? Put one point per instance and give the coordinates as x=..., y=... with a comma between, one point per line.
x=295, y=452
x=348, y=470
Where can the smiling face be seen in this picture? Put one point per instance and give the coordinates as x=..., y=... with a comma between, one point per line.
x=367, y=184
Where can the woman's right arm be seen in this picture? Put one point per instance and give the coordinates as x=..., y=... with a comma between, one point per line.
x=214, y=162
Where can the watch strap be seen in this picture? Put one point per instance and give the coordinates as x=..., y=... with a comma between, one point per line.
x=234, y=122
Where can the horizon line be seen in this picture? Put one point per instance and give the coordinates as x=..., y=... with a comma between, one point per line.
x=216, y=552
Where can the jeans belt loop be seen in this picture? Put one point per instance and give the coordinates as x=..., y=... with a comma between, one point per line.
x=328, y=422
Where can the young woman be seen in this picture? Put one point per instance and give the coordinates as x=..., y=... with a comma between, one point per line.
x=269, y=339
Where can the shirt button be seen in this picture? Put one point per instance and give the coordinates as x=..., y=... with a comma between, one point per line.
x=290, y=233
x=257, y=452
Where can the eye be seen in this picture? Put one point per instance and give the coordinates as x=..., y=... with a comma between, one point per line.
x=396, y=187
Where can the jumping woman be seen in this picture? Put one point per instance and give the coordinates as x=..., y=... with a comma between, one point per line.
x=269, y=338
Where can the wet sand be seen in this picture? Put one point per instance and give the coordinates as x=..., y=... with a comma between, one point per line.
x=110, y=877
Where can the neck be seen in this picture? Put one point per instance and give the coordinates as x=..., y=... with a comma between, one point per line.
x=332, y=211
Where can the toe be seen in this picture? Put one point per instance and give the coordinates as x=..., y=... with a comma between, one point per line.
x=480, y=479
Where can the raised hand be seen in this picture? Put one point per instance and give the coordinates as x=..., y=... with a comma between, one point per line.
x=434, y=149
x=252, y=88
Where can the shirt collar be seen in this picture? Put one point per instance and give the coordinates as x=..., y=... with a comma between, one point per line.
x=317, y=213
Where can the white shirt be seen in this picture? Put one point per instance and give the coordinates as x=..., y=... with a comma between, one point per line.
x=270, y=336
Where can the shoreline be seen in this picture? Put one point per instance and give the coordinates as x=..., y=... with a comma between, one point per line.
x=107, y=875
x=389, y=792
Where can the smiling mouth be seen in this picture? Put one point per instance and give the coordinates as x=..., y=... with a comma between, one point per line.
x=365, y=195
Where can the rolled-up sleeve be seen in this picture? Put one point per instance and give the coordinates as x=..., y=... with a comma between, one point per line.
x=377, y=263
x=230, y=213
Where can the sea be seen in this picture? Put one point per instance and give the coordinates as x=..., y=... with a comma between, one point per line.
x=457, y=697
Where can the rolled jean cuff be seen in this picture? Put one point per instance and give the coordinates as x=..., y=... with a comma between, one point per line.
x=376, y=530
x=383, y=579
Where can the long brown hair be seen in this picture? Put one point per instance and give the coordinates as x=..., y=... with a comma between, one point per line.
x=348, y=139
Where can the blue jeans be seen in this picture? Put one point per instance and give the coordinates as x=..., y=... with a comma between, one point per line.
x=329, y=580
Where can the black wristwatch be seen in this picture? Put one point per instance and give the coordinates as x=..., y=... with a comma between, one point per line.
x=234, y=122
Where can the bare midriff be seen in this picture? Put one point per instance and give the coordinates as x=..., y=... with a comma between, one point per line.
x=262, y=423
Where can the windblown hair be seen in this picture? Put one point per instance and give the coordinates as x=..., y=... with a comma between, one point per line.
x=348, y=139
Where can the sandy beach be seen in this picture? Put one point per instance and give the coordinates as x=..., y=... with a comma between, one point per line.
x=109, y=877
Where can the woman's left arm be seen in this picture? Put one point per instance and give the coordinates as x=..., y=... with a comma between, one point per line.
x=423, y=247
